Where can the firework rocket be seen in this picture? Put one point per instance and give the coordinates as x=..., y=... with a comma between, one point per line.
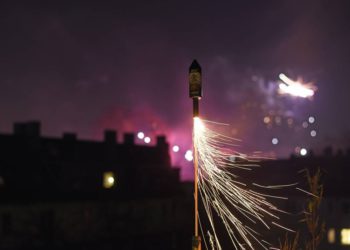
x=219, y=188
x=195, y=80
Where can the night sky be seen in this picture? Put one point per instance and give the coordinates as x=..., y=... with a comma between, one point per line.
x=85, y=67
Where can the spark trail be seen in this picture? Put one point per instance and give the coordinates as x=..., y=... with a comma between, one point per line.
x=224, y=196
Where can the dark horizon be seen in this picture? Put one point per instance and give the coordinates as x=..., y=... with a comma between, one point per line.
x=64, y=193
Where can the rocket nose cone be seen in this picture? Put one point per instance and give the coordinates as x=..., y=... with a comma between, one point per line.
x=195, y=65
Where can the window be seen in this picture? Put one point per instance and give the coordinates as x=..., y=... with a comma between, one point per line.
x=331, y=236
x=345, y=236
x=47, y=219
x=346, y=207
x=108, y=179
x=330, y=207
x=6, y=224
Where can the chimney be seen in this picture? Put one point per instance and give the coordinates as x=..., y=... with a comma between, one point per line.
x=161, y=141
x=69, y=136
x=31, y=129
x=129, y=138
x=110, y=136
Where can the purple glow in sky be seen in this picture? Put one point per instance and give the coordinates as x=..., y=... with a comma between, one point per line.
x=84, y=67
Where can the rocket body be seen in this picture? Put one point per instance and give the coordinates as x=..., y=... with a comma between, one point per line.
x=195, y=81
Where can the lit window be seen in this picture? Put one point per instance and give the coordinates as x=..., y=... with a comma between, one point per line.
x=108, y=179
x=345, y=236
x=331, y=235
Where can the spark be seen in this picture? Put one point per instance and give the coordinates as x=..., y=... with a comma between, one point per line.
x=295, y=88
x=227, y=197
x=275, y=186
x=285, y=228
x=302, y=190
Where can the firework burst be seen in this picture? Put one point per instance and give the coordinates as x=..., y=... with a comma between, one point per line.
x=295, y=88
x=224, y=195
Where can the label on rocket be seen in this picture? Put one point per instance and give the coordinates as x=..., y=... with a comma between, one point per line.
x=195, y=84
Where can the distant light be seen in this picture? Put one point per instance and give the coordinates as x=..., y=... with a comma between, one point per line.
x=290, y=121
x=147, y=140
x=274, y=141
x=313, y=133
x=311, y=119
x=303, y=151
x=278, y=120
x=189, y=155
x=297, y=150
x=305, y=124
x=140, y=135
x=345, y=236
x=267, y=119
x=176, y=148
x=234, y=131
x=331, y=235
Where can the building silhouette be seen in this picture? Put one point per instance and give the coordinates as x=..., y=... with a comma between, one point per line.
x=63, y=193
x=67, y=193
x=335, y=204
